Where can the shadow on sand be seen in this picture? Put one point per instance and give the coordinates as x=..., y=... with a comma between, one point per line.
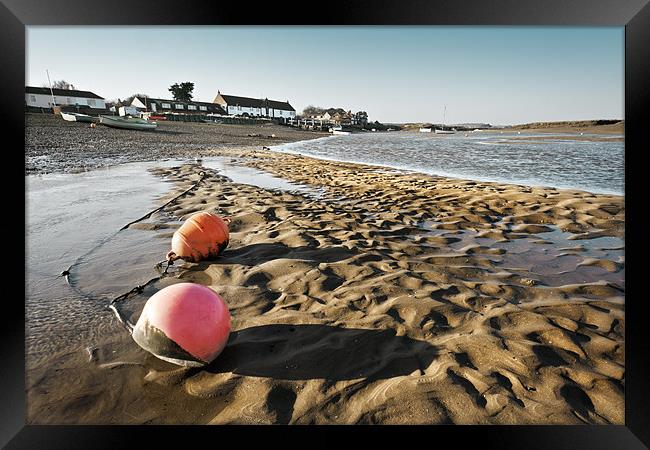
x=303, y=352
x=255, y=254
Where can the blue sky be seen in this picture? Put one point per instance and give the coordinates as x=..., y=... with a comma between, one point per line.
x=498, y=75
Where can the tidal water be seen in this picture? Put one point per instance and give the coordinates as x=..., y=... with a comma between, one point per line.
x=554, y=161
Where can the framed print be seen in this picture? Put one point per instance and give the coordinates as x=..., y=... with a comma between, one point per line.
x=398, y=219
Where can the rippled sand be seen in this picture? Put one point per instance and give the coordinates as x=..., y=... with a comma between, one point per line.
x=387, y=297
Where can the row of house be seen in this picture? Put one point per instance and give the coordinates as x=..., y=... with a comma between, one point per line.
x=226, y=105
x=339, y=116
x=162, y=106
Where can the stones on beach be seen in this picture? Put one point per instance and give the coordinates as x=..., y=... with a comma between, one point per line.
x=202, y=236
x=186, y=324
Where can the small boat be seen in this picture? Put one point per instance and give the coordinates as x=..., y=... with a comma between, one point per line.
x=77, y=117
x=442, y=129
x=343, y=133
x=127, y=123
x=425, y=130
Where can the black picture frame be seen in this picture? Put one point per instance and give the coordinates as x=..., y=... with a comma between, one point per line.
x=634, y=15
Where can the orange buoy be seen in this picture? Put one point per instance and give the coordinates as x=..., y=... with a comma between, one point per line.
x=186, y=324
x=202, y=236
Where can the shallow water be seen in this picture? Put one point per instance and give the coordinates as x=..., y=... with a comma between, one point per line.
x=69, y=215
x=553, y=258
x=248, y=175
x=593, y=166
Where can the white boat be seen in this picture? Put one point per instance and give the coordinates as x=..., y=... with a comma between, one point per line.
x=425, y=130
x=442, y=129
x=339, y=132
x=127, y=123
x=77, y=117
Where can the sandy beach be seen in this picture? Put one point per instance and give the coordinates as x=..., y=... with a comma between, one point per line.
x=385, y=297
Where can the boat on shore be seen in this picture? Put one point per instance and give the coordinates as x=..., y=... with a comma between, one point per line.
x=127, y=123
x=425, y=130
x=340, y=132
x=77, y=117
x=442, y=131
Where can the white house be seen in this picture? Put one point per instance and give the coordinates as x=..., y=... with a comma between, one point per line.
x=41, y=97
x=254, y=107
x=161, y=106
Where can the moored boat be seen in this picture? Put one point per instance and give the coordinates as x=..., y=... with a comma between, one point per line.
x=442, y=128
x=77, y=117
x=127, y=123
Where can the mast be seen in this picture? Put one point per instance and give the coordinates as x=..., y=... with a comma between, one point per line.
x=50, y=83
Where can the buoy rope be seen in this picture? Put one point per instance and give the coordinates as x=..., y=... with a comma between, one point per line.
x=146, y=216
x=138, y=289
x=66, y=272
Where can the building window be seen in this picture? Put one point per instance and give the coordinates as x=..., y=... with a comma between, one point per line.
x=203, y=108
x=166, y=105
x=192, y=107
x=178, y=106
x=69, y=100
x=91, y=102
x=32, y=98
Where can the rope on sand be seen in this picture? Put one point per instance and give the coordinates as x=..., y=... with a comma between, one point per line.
x=138, y=289
x=146, y=216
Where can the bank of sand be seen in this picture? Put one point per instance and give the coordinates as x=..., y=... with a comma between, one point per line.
x=585, y=126
x=392, y=298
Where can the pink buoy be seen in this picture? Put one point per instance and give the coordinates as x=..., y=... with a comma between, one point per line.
x=186, y=324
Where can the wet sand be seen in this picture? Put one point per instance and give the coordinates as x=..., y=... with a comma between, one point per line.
x=391, y=298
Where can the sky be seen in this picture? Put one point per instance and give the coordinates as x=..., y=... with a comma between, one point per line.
x=397, y=74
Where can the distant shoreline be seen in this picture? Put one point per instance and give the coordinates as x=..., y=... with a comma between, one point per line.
x=581, y=126
x=578, y=126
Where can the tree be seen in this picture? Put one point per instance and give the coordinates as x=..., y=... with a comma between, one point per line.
x=61, y=84
x=361, y=117
x=312, y=110
x=182, y=92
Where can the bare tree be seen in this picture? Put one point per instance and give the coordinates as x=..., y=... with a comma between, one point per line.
x=312, y=111
x=62, y=84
